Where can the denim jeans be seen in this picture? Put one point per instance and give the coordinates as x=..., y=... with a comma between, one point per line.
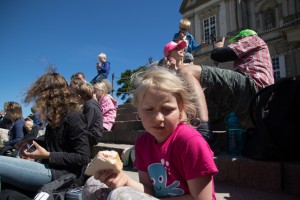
x=98, y=78
x=24, y=174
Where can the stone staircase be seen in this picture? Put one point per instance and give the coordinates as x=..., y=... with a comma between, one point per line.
x=234, y=170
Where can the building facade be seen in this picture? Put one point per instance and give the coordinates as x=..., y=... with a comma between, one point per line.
x=275, y=21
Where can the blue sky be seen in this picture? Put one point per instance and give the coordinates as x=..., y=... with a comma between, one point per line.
x=71, y=33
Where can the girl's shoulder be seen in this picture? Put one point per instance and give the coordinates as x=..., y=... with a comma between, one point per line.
x=108, y=97
x=19, y=121
x=186, y=133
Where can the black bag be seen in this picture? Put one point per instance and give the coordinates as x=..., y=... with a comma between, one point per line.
x=275, y=112
x=9, y=194
x=57, y=189
x=8, y=151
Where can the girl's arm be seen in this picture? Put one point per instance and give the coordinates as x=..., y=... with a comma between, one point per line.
x=200, y=189
x=146, y=183
x=113, y=180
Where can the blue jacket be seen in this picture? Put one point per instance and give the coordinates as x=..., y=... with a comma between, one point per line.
x=16, y=133
x=104, y=69
x=191, y=44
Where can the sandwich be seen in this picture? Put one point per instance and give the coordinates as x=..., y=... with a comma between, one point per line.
x=105, y=160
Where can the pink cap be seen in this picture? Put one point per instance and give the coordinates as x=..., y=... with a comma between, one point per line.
x=173, y=45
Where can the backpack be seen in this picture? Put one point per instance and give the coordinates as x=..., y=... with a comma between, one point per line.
x=275, y=112
x=56, y=190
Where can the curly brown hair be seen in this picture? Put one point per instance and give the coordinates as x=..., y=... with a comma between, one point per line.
x=53, y=98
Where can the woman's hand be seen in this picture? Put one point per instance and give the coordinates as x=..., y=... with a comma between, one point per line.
x=220, y=44
x=38, y=153
x=170, y=62
x=111, y=179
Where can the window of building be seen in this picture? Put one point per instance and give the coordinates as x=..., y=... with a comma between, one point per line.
x=209, y=27
x=276, y=68
x=279, y=67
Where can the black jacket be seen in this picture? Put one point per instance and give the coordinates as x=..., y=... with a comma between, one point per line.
x=68, y=145
x=223, y=54
x=94, y=119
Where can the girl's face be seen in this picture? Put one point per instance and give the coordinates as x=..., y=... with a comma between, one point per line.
x=160, y=113
x=177, y=53
x=98, y=93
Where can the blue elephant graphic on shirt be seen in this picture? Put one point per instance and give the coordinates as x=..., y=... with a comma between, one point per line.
x=158, y=175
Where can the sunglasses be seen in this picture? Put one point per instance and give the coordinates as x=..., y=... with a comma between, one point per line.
x=183, y=29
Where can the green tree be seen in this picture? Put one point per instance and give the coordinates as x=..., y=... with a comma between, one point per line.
x=126, y=88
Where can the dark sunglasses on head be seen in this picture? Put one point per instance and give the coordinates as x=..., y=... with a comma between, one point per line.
x=183, y=29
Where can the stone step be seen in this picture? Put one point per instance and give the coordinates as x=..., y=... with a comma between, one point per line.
x=121, y=136
x=130, y=116
x=132, y=125
x=266, y=175
x=125, y=109
x=107, y=146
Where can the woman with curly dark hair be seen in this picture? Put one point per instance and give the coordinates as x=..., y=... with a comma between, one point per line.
x=65, y=145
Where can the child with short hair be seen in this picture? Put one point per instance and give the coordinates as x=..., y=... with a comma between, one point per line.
x=91, y=110
x=183, y=34
x=107, y=103
x=172, y=158
x=103, y=68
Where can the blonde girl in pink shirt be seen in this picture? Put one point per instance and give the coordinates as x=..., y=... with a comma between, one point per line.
x=107, y=103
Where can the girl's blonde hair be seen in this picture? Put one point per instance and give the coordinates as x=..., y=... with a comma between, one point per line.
x=102, y=55
x=101, y=87
x=167, y=80
x=15, y=109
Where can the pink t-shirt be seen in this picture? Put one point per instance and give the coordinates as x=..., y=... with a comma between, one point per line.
x=254, y=60
x=185, y=155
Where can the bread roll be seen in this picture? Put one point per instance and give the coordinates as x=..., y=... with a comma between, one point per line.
x=105, y=160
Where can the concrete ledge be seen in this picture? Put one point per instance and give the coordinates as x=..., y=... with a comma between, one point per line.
x=129, y=116
x=125, y=109
x=260, y=174
x=127, y=125
x=121, y=136
x=248, y=173
x=291, y=177
x=105, y=146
